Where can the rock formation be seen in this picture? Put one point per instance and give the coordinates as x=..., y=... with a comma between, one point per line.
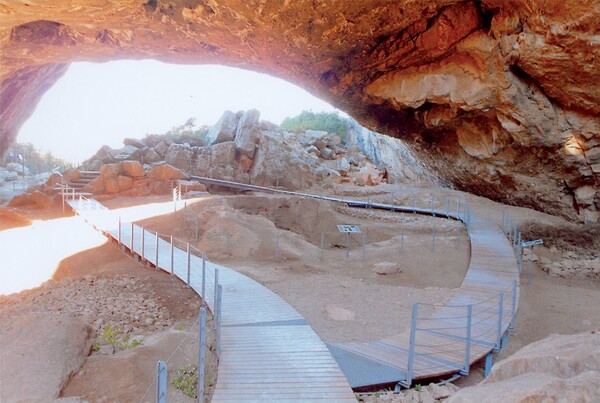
x=500, y=97
x=263, y=154
x=558, y=368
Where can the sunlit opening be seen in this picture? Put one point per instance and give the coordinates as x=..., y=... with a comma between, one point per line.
x=97, y=104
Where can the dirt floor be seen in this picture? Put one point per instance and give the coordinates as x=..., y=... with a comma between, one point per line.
x=292, y=246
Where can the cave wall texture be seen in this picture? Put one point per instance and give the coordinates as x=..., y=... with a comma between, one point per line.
x=500, y=97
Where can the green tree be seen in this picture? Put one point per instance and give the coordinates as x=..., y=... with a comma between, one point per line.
x=330, y=122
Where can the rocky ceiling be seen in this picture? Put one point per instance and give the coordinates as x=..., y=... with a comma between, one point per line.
x=500, y=97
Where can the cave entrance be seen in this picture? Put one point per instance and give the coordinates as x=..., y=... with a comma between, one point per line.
x=95, y=104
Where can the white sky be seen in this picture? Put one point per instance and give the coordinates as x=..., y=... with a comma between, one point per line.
x=96, y=104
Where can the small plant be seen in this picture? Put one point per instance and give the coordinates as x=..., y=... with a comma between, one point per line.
x=96, y=346
x=186, y=380
x=180, y=328
x=418, y=387
x=116, y=339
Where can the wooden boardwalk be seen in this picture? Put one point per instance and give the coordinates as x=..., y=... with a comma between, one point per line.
x=268, y=351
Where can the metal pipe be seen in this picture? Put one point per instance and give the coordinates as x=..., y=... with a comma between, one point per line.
x=172, y=254
x=500, y=311
x=156, y=255
x=201, y=354
x=411, y=348
x=468, y=341
x=188, y=263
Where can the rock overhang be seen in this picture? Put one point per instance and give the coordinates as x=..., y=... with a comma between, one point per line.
x=500, y=98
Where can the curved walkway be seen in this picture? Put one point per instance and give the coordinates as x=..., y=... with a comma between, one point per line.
x=269, y=352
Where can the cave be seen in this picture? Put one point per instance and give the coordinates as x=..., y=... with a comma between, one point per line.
x=485, y=92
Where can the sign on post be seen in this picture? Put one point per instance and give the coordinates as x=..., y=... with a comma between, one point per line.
x=532, y=243
x=348, y=228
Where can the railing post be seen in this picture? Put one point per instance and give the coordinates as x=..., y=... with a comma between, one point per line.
x=143, y=243
x=465, y=371
x=216, y=290
x=433, y=239
x=201, y=354
x=132, y=229
x=218, y=321
x=432, y=202
x=411, y=348
x=322, y=246
x=172, y=254
x=161, y=383
x=203, y=277
x=364, y=241
x=447, y=206
x=514, y=305
x=156, y=255
x=458, y=209
x=188, y=263
x=499, y=330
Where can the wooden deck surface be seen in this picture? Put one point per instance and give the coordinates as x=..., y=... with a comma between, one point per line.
x=268, y=352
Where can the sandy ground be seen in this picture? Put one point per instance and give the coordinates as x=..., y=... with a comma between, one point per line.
x=277, y=241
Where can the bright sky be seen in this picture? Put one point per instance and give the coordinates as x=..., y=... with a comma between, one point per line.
x=96, y=104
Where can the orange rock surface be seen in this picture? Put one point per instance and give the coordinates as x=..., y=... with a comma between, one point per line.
x=499, y=97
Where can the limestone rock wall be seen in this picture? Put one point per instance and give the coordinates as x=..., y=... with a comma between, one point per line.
x=500, y=97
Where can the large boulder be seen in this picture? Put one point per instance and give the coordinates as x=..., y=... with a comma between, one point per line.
x=558, y=368
x=276, y=153
x=128, y=152
x=150, y=156
x=247, y=133
x=165, y=172
x=111, y=170
x=224, y=129
x=223, y=154
x=124, y=182
x=133, y=169
x=20, y=169
x=162, y=148
x=105, y=154
x=95, y=186
x=134, y=142
x=40, y=353
x=180, y=156
x=32, y=198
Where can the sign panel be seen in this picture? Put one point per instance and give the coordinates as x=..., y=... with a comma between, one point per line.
x=348, y=228
x=532, y=243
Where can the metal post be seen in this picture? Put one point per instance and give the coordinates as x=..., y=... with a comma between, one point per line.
x=514, y=305
x=161, y=383
x=227, y=246
x=488, y=365
x=368, y=201
x=447, y=206
x=203, y=277
x=322, y=246
x=519, y=247
x=119, y=232
x=514, y=237
x=500, y=311
x=393, y=202
x=143, y=257
x=465, y=371
x=218, y=321
x=432, y=202
x=201, y=354
x=188, y=263
x=216, y=290
x=530, y=266
x=348, y=246
x=458, y=209
x=411, y=348
x=363, y=247
x=132, y=228
x=172, y=254
x=433, y=239
x=156, y=254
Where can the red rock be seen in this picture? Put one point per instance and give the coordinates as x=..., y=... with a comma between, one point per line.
x=165, y=172
x=132, y=169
